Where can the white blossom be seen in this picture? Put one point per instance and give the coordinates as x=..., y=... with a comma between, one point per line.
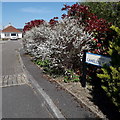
x=59, y=43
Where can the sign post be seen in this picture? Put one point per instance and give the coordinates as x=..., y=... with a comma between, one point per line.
x=94, y=59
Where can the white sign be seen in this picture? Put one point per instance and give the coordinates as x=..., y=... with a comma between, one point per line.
x=96, y=59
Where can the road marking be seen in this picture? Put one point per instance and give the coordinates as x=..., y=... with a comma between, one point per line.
x=12, y=80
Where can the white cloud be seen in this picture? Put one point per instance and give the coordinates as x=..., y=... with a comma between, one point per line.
x=35, y=10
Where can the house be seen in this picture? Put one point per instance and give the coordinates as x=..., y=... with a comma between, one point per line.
x=10, y=32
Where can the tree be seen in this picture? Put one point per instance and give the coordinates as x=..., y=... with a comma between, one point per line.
x=107, y=10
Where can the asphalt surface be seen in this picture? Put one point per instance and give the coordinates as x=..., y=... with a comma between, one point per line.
x=66, y=103
x=22, y=102
x=37, y=97
x=19, y=101
x=10, y=60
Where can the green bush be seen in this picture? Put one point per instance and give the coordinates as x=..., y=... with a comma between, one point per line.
x=111, y=74
x=70, y=76
x=49, y=68
x=41, y=63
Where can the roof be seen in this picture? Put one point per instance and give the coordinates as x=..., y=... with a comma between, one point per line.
x=10, y=29
x=20, y=29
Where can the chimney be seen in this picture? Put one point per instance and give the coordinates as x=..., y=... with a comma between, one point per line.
x=9, y=24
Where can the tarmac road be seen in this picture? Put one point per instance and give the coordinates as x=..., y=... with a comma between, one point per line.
x=30, y=95
x=18, y=98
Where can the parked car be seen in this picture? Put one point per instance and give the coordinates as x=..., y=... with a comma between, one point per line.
x=14, y=36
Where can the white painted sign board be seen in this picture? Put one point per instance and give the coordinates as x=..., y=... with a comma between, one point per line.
x=96, y=59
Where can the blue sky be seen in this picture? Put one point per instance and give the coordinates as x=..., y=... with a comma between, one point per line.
x=19, y=13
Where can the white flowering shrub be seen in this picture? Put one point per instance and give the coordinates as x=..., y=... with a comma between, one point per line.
x=69, y=40
x=62, y=43
x=35, y=41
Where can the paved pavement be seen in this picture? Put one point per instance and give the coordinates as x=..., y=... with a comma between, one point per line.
x=11, y=80
x=28, y=94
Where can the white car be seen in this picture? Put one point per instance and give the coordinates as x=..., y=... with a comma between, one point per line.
x=14, y=36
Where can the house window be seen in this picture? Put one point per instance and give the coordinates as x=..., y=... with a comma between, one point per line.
x=13, y=34
x=7, y=34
